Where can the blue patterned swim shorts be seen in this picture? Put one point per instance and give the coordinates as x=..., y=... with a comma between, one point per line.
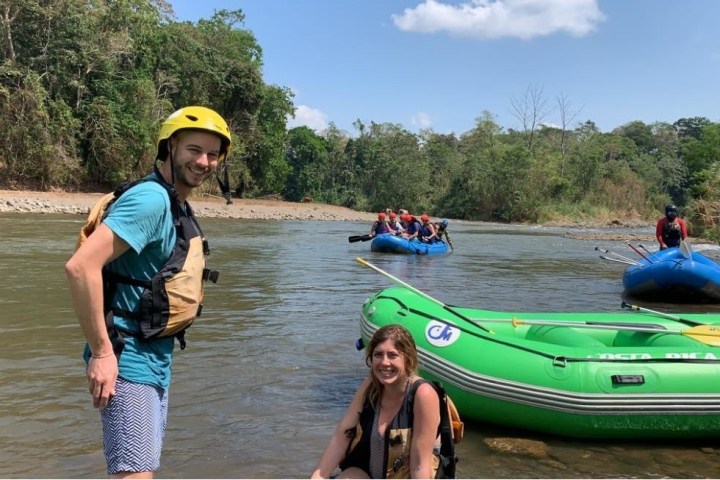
x=134, y=427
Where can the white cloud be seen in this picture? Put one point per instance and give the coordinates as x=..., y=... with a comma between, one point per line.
x=421, y=120
x=309, y=117
x=502, y=18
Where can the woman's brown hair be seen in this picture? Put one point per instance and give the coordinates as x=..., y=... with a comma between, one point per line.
x=403, y=342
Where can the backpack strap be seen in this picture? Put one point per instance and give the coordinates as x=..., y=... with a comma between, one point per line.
x=208, y=275
x=448, y=459
x=224, y=184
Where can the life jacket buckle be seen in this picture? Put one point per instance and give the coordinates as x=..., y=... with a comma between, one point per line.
x=211, y=275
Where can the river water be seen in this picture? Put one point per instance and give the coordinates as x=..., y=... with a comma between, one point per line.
x=271, y=365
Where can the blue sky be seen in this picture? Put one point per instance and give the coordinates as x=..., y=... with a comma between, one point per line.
x=440, y=63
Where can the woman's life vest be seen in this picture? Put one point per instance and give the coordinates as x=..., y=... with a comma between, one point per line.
x=413, y=226
x=671, y=233
x=380, y=227
x=172, y=298
x=426, y=232
x=398, y=437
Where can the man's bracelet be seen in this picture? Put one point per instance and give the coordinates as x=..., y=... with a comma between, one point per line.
x=99, y=357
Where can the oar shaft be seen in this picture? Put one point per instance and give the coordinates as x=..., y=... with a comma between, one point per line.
x=660, y=314
x=416, y=291
x=639, y=252
x=397, y=280
x=707, y=334
x=626, y=262
x=623, y=257
x=648, y=251
x=598, y=325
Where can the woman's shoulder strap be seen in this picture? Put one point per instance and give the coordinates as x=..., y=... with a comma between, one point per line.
x=448, y=435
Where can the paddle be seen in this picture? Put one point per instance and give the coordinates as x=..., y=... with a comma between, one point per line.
x=603, y=257
x=685, y=249
x=418, y=292
x=707, y=334
x=359, y=238
x=648, y=251
x=447, y=239
x=634, y=327
x=661, y=314
x=639, y=253
x=620, y=257
x=653, y=254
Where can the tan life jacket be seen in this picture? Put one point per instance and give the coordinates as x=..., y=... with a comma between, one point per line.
x=398, y=438
x=172, y=298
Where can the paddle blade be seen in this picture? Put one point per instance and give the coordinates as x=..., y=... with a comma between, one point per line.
x=707, y=334
x=685, y=248
x=359, y=238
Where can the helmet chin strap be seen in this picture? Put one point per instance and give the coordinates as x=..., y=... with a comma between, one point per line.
x=172, y=167
x=173, y=190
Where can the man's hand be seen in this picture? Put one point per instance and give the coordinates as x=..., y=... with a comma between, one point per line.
x=102, y=374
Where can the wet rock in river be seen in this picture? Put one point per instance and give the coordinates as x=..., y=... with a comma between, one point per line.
x=517, y=446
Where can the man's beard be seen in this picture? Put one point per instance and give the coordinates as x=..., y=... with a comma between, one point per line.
x=187, y=178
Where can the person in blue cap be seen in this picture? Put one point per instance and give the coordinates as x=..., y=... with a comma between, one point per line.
x=441, y=231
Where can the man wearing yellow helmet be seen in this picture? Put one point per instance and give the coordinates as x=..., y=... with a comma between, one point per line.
x=118, y=278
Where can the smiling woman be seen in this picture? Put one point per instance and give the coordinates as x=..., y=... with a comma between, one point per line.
x=397, y=432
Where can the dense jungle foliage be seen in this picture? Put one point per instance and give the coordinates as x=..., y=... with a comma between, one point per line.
x=84, y=85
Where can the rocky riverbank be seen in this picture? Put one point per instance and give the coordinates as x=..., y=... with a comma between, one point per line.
x=17, y=201
x=80, y=203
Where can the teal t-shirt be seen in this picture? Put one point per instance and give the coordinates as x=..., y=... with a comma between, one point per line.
x=143, y=219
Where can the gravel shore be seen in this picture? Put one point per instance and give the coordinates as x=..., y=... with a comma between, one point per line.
x=12, y=201
x=17, y=201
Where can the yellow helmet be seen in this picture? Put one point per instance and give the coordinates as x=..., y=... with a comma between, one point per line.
x=195, y=118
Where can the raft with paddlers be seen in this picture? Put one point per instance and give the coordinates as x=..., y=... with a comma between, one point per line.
x=632, y=374
x=410, y=237
x=389, y=243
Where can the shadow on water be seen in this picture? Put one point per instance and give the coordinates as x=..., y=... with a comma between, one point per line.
x=272, y=364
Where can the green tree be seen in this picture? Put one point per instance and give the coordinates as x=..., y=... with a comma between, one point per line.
x=307, y=154
x=444, y=161
x=265, y=152
x=691, y=127
x=701, y=156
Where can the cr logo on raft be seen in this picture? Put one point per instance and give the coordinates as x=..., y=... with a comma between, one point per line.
x=441, y=334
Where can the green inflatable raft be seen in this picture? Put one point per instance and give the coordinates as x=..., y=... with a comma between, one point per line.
x=625, y=375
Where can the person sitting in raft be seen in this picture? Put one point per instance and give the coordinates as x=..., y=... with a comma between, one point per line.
x=441, y=230
x=670, y=230
x=412, y=228
x=427, y=230
x=383, y=426
x=396, y=227
x=379, y=226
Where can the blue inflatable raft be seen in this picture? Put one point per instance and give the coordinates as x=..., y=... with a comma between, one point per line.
x=388, y=243
x=671, y=275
